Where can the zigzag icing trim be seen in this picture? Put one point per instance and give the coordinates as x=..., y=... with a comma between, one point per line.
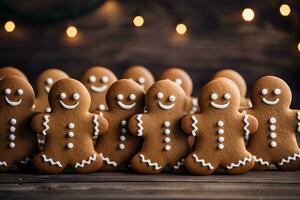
x=260, y=161
x=179, y=163
x=3, y=163
x=298, y=118
x=108, y=161
x=51, y=161
x=247, y=132
x=194, y=125
x=96, y=125
x=140, y=125
x=202, y=162
x=27, y=159
x=289, y=159
x=45, y=124
x=86, y=162
x=240, y=163
x=151, y=164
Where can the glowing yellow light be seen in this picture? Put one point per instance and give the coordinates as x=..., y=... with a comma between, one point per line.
x=248, y=14
x=71, y=31
x=138, y=21
x=9, y=26
x=299, y=46
x=181, y=29
x=285, y=10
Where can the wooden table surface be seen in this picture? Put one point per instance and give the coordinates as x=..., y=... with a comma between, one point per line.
x=127, y=185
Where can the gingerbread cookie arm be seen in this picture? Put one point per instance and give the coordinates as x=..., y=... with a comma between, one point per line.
x=296, y=117
x=136, y=125
x=102, y=124
x=250, y=123
x=39, y=123
x=189, y=124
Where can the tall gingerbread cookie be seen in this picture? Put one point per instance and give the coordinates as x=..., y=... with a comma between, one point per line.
x=97, y=80
x=239, y=81
x=141, y=75
x=124, y=98
x=219, y=129
x=68, y=129
x=182, y=78
x=275, y=141
x=11, y=71
x=164, y=143
x=17, y=140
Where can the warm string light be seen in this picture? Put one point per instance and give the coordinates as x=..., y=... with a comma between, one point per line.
x=138, y=21
x=248, y=14
x=285, y=10
x=9, y=26
x=71, y=31
x=298, y=46
x=181, y=29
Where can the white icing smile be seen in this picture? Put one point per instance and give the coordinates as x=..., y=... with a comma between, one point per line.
x=13, y=103
x=166, y=107
x=214, y=97
x=270, y=102
x=75, y=96
x=276, y=92
x=126, y=106
x=171, y=98
x=219, y=106
x=131, y=97
x=98, y=89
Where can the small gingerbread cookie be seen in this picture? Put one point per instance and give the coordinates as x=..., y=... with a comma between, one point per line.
x=164, y=143
x=97, y=80
x=239, y=81
x=17, y=140
x=124, y=98
x=219, y=130
x=275, y=140
x=182, y=78
x=11, y=71
x=68, y=129
x=141, y=75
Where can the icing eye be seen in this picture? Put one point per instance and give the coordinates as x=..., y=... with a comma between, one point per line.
x=264, y=91
x=104, y=79
x=141, y=80
x=172, y=98
x=120, y=97
x=49, y=81
x=213, y=96
x=92, y=79
x=160, y=95
x=76, y=96
x=277, y=91
x=7, y=91
x=62, y=95
x=227, y=96
x=132, y=97
x=178, y=81
x=20, y=92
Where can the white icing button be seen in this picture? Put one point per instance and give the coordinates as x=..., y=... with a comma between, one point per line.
x=167, y=140
x=273, y=135
x=13, y=121
x=70, y=145
x=178, y=81
x=123, y=122
x=221, y=146
x=7, y=91
x=49, y=81
x=12, y=129
x=272, y=127
x=277, y=91
x=172, y=98
x=167, y=131
x=160, y=95
x=121, y=146
x=264, y=91
x=167, y=147
x=166, y=124
x=141, y=80
x=12, y=137
x=20, y=92
x=12, y=145
x=101, y=107
x=76, y=96
x=70, y=134
x=221, y=131
x=272, y=120
x=213, y=96
x=120, y=97
x=220, y=123
x=48, y=109
x=132, y=97
x=124, y=130
x=273, y=144
x=221, y=139
x=227, y=96
x=71, y=125
x=62, y=95
x=92, y=79
x=122, y=138
x=104, y=79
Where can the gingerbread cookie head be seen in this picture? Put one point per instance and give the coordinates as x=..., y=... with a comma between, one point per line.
x=180, y=77
x=141, y=75
x=11, y=71
x=125, y=95
x=270, y=91
x=165, y=96
x=97, y=80
x=218, y=95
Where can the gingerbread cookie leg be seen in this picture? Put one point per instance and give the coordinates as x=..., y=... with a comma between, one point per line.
x=4, y=164
x=147, y=164
x=47, y=162
x=88, y=163
x=177, y=166
x=239, y=164
x=200, y=164
x=109, y=163
x=289, y=163
x=261, y=163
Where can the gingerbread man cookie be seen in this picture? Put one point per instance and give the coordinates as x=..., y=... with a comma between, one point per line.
x=141, y=75
x=182, y=78
x=219, y=130
x=17, y=140
x=11, y=71
x=97, y=80
x=239, y=81
x=124, y=98
x=68, y=129
x=275, y=140
x=164, y=143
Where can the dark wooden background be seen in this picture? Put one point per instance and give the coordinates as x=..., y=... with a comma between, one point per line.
x=217, y=37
